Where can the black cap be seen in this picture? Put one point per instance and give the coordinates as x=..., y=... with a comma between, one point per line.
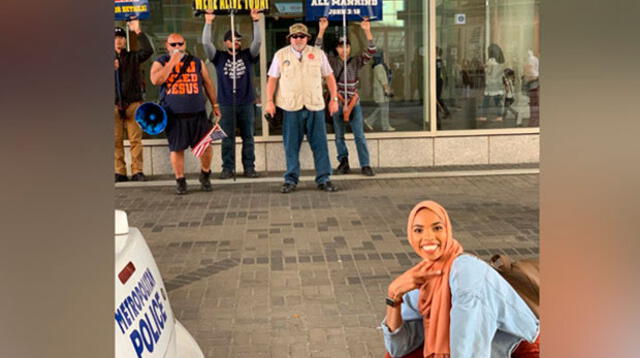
x=120, y=32
x=342, y=39
x=227, y=36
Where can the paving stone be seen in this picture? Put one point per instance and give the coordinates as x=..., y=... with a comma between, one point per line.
x=254, y=273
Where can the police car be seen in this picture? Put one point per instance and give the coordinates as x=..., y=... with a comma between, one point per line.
x=145, y=326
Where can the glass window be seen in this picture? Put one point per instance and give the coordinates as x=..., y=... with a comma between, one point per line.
x=487, y=63
x=403, y=56
x=391, y=88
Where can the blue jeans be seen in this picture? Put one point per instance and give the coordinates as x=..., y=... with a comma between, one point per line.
x=244, y=120
x=357, y=127
x=497, y=100
x=294, y=127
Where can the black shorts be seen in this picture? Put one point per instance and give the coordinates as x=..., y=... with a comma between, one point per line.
x=186, y=130
x=508, y=101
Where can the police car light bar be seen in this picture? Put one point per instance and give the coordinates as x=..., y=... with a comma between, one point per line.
x=126, y=272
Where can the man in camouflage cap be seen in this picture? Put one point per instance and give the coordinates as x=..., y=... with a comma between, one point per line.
x=297, y=71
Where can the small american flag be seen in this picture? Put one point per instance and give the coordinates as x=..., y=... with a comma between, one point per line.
x=214, y=134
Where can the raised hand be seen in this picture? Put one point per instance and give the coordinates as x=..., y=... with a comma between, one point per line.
x=365, y=24
x=366, y=27
x=134, y=25
x=209, y=17
x=255, y=14
x=323, y=23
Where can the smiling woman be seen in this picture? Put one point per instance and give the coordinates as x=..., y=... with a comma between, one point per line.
x=428, y=234
x=453, y=305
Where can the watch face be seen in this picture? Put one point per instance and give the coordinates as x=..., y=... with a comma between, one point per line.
x=390, y=302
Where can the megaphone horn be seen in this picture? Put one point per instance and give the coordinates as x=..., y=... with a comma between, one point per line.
x=151, y=118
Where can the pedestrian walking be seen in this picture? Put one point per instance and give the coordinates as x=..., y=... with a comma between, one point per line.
x=381, y=94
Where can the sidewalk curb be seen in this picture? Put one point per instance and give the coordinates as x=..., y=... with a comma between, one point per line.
x=337, y=178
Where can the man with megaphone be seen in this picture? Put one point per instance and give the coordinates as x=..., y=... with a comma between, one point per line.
x=184, y=82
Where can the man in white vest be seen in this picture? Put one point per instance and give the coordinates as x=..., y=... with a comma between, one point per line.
x=297, y=70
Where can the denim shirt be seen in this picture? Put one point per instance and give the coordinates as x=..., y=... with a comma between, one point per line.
x=488, y=318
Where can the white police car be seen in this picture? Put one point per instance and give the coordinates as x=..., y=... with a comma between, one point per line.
x=144, y=322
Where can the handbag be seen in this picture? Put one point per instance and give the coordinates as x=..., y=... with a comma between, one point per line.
x=529, y=85
x=523, y=276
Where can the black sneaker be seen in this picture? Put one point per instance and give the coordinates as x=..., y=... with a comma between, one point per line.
x=205, y=181
x=287, y=188
x=251, y=173
x=138, y=177
x=181, y=186
x=367, y=171
x=226, y=174
x=328, y=186
x=343, y=168
x=121, y=178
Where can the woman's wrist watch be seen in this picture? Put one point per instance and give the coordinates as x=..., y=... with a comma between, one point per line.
x=390, y=301
x=335, y=99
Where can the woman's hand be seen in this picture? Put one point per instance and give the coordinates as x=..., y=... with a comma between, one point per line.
x=406, y=282
x=410, y=280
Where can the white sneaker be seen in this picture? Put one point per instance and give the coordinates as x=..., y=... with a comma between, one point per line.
x=390, y=129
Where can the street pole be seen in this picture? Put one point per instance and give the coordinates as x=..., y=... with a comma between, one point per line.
x=233, y=76
x=344, y=49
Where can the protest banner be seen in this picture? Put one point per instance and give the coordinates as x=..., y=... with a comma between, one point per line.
x=127, y=9
x=334, y=10
x=222, y=7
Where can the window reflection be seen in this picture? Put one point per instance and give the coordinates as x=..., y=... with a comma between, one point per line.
x=488, y=64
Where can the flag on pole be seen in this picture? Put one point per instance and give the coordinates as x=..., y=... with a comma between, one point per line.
x=215, y=133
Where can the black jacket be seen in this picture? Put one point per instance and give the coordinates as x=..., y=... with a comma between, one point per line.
x=129, y=71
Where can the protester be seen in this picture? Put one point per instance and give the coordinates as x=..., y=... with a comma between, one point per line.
x=453, y=305
x=297, y=70
x=128, y=83
x=352, y=100
x=381, y=94
x=184, y=82
x=237, y=108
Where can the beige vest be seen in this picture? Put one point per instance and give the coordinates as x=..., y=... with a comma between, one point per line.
x=300, y=83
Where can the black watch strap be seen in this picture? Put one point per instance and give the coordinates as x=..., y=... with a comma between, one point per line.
x=390, y=302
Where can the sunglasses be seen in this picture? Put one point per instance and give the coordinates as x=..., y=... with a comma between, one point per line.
x=174, y=44
x=298, y=36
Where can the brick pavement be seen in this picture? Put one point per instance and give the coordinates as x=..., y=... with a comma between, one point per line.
x=254, y=273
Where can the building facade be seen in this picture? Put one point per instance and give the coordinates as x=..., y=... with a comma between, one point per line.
x=451, y=102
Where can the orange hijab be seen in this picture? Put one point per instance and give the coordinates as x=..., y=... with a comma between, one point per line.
x=435, y=294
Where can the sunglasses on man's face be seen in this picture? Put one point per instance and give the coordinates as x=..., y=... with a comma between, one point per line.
x=174, y=44
x=301, y=36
